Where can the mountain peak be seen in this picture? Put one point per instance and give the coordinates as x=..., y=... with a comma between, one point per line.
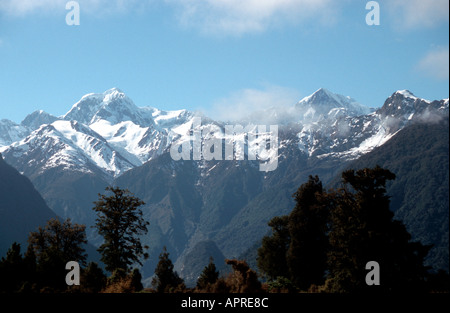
x=323, y=91
x=38, y=118
x=318, y=96
x=406, y=94
x=113, y=90
x=404, y=103
x=324, y=102
x=112, y=94
x=112, y=105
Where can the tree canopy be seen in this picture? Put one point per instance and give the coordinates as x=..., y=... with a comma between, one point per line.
x=330, y=236
x=120, y=221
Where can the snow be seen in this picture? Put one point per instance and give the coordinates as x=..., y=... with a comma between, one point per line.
x=125, y=137
x=108, y=131
x=11, y=132
x=372, y=142
x=407, y=94
x=323, y=103
x=167, y=115
x=183, y=129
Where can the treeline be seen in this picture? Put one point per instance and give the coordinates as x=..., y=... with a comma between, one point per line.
x=329, y=241
x=324, y=245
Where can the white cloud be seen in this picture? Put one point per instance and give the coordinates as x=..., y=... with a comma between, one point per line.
x=410, y=14
x=26, y=7
x=246, y=16
x=209, y=16
x=429, y=117
x=260, y=104
x=436, y=63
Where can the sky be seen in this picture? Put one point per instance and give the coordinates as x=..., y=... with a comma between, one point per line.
x=219, y=56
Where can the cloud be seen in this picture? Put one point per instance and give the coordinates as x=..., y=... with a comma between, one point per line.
x=264, y=106
x=27, y=7
x=429, y=117
x=239, y=17
x=24, y=7
x=209, y=16
x=435, y=64
x=411, y=14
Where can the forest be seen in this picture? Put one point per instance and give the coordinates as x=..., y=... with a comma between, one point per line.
x=324, y=245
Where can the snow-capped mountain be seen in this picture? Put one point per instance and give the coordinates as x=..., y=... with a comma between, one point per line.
x=112, y=106
x=70, y=145
x=109, y=132
x=324, y=104
x=106, y=139
x=34, y=120
x=11, y=132
x=347, y=130
x=138, y=134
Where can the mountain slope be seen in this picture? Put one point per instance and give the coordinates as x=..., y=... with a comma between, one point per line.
x=22, y=209
x=419, y=157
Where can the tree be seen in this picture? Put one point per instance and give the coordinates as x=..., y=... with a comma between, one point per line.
x=120, y=222
x=339, y=232
x=209, y=276
x=363, y=230
x=65, y=240
x=11, y=269
x=93, y=278
x=307, y=254
x=165, y=280
x=271, y=259
x=53, y=246
x=136, y=280
x=124, y=282
x=297, y=248
x=243, y=279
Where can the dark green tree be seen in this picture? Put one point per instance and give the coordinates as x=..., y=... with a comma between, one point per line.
x=297, y=248
x=136, y=280
x=307, y=254
x=11, y=269
x=61, y=240
x=93, y=278
x=120, y=222
x=53, y=246
x=166, y=279
x=363, y=230
x=271, y=259
x=208, y=276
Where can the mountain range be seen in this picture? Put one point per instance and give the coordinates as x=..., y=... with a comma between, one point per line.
x=105, y=139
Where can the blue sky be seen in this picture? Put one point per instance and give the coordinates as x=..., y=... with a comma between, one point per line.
x=216, y=55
